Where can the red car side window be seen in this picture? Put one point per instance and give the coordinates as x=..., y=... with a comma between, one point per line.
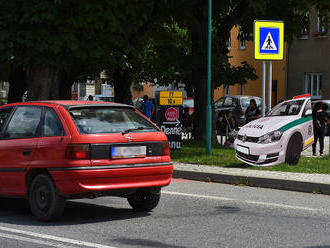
x=52, y=126
x=4, y=115
x=24, y=123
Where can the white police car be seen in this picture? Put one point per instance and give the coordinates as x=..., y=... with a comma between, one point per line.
x=279, y=137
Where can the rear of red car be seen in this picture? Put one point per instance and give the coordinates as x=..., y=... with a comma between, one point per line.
x=69, y=149
x=112, y=147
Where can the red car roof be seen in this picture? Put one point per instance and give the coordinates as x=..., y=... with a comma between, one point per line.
x=73, y=102
x=70, y=103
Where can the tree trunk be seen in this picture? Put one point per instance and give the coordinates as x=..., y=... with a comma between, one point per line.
x=18, y=84
x=43, y=83
x=66, y=81
x=122, y=83
x=199, y=31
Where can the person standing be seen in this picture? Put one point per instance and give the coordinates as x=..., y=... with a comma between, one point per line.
x=147, y=107
x=320, y=121
x=252, y=112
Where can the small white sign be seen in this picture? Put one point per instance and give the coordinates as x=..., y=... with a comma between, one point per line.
x=242, y=149
x=128, y=151
x=269, y=43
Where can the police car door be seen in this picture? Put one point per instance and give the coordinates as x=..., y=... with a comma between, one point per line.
x=307, y=125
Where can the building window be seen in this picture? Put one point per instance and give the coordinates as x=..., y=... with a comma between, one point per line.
x=322, y=25
x=242, y=89
x=313, y=85
x=226, y=90
x=241, y=40
x=228, y=42
x=305, y=30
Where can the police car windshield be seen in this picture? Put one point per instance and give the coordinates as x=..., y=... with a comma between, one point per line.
x=287, y=108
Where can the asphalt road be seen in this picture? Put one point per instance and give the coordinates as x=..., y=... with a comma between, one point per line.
x=190, y=214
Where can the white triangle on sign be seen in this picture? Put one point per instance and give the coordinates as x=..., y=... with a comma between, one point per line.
x=269, y=43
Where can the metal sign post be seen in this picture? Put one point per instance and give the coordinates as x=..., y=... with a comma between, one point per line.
x=208, y=103
x=270, y=74
x=263, y=88
x=268, y=45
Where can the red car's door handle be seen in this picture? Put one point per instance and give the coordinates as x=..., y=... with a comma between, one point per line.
x=26, y=152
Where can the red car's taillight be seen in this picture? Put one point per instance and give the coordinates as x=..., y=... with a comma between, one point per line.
x=78, y=151
x=166, y=148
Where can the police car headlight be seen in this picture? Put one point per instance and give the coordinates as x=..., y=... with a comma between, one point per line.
x=270, y=137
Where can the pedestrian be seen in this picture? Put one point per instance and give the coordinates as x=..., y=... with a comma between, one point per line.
x=252, y=112
x=147, y=107
x=320, y=121
x=90, y=98
x=230, y=126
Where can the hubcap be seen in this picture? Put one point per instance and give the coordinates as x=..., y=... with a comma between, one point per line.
x=42, y=195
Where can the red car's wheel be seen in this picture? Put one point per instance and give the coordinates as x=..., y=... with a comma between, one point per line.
x=144, y=200
x=45, y=202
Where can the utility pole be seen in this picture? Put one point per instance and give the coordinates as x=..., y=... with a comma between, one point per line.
x=208, y=104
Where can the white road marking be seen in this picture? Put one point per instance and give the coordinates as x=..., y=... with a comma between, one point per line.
x=217, y=198
x=55, y=238
x=34, y=241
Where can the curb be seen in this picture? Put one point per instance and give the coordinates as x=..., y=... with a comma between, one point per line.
x=281, y=184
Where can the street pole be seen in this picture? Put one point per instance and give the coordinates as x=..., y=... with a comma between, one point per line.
x=208, y=104
x=263, y=88
x=270, y=85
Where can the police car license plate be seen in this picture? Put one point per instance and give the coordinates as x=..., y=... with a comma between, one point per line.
x=128, y=151
x=242, y=149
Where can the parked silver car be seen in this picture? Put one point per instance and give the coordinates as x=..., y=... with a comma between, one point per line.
x=237, y=104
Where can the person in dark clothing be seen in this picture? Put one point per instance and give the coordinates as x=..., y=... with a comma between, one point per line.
x=228, y=121
x=230, y=126
x=320, y=121
x=147, y=107
x=252, y=112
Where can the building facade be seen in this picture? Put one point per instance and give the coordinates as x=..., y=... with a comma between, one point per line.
x=309, y=60
x=241, y=50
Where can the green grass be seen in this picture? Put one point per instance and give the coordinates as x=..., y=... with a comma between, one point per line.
x=194, y=153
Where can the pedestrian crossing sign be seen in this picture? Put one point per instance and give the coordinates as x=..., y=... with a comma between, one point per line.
x=268, y=40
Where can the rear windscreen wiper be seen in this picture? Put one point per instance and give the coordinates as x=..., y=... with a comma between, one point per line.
x=135, y=129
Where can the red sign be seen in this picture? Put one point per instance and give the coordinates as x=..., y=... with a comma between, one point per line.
x=172, y=114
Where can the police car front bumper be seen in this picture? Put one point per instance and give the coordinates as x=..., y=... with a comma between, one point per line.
x=259, y=154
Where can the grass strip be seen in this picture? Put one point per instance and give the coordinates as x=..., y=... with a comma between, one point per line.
x=193, y=152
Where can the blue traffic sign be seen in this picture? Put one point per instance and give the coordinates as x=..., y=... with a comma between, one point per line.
x=269, y=40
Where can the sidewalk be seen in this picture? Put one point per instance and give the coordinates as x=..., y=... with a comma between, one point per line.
x=308, y=151
x=311, y=183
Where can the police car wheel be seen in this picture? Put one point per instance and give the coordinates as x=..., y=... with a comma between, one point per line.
x=293, y=149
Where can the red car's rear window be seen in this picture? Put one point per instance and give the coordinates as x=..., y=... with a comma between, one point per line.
x=99, y=120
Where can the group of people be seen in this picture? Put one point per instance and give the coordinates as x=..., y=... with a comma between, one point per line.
x=320, y=123
x=229, y=125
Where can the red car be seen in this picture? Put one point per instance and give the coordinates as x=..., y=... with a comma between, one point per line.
x=51, y=151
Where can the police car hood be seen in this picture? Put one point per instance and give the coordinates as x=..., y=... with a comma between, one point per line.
x=265, y=125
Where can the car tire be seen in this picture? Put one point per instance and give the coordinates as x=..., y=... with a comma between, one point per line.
x=45, y=201
x=144, y=200
x=293, y=149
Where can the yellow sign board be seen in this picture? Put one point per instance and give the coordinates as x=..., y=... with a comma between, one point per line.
x=268, y=40
x=170, y=97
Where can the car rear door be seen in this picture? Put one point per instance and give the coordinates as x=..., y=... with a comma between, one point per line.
x=4, y=117
x=53, y=141
x=17, y=148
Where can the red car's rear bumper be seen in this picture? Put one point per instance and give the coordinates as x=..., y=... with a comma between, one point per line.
x=76, y=180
